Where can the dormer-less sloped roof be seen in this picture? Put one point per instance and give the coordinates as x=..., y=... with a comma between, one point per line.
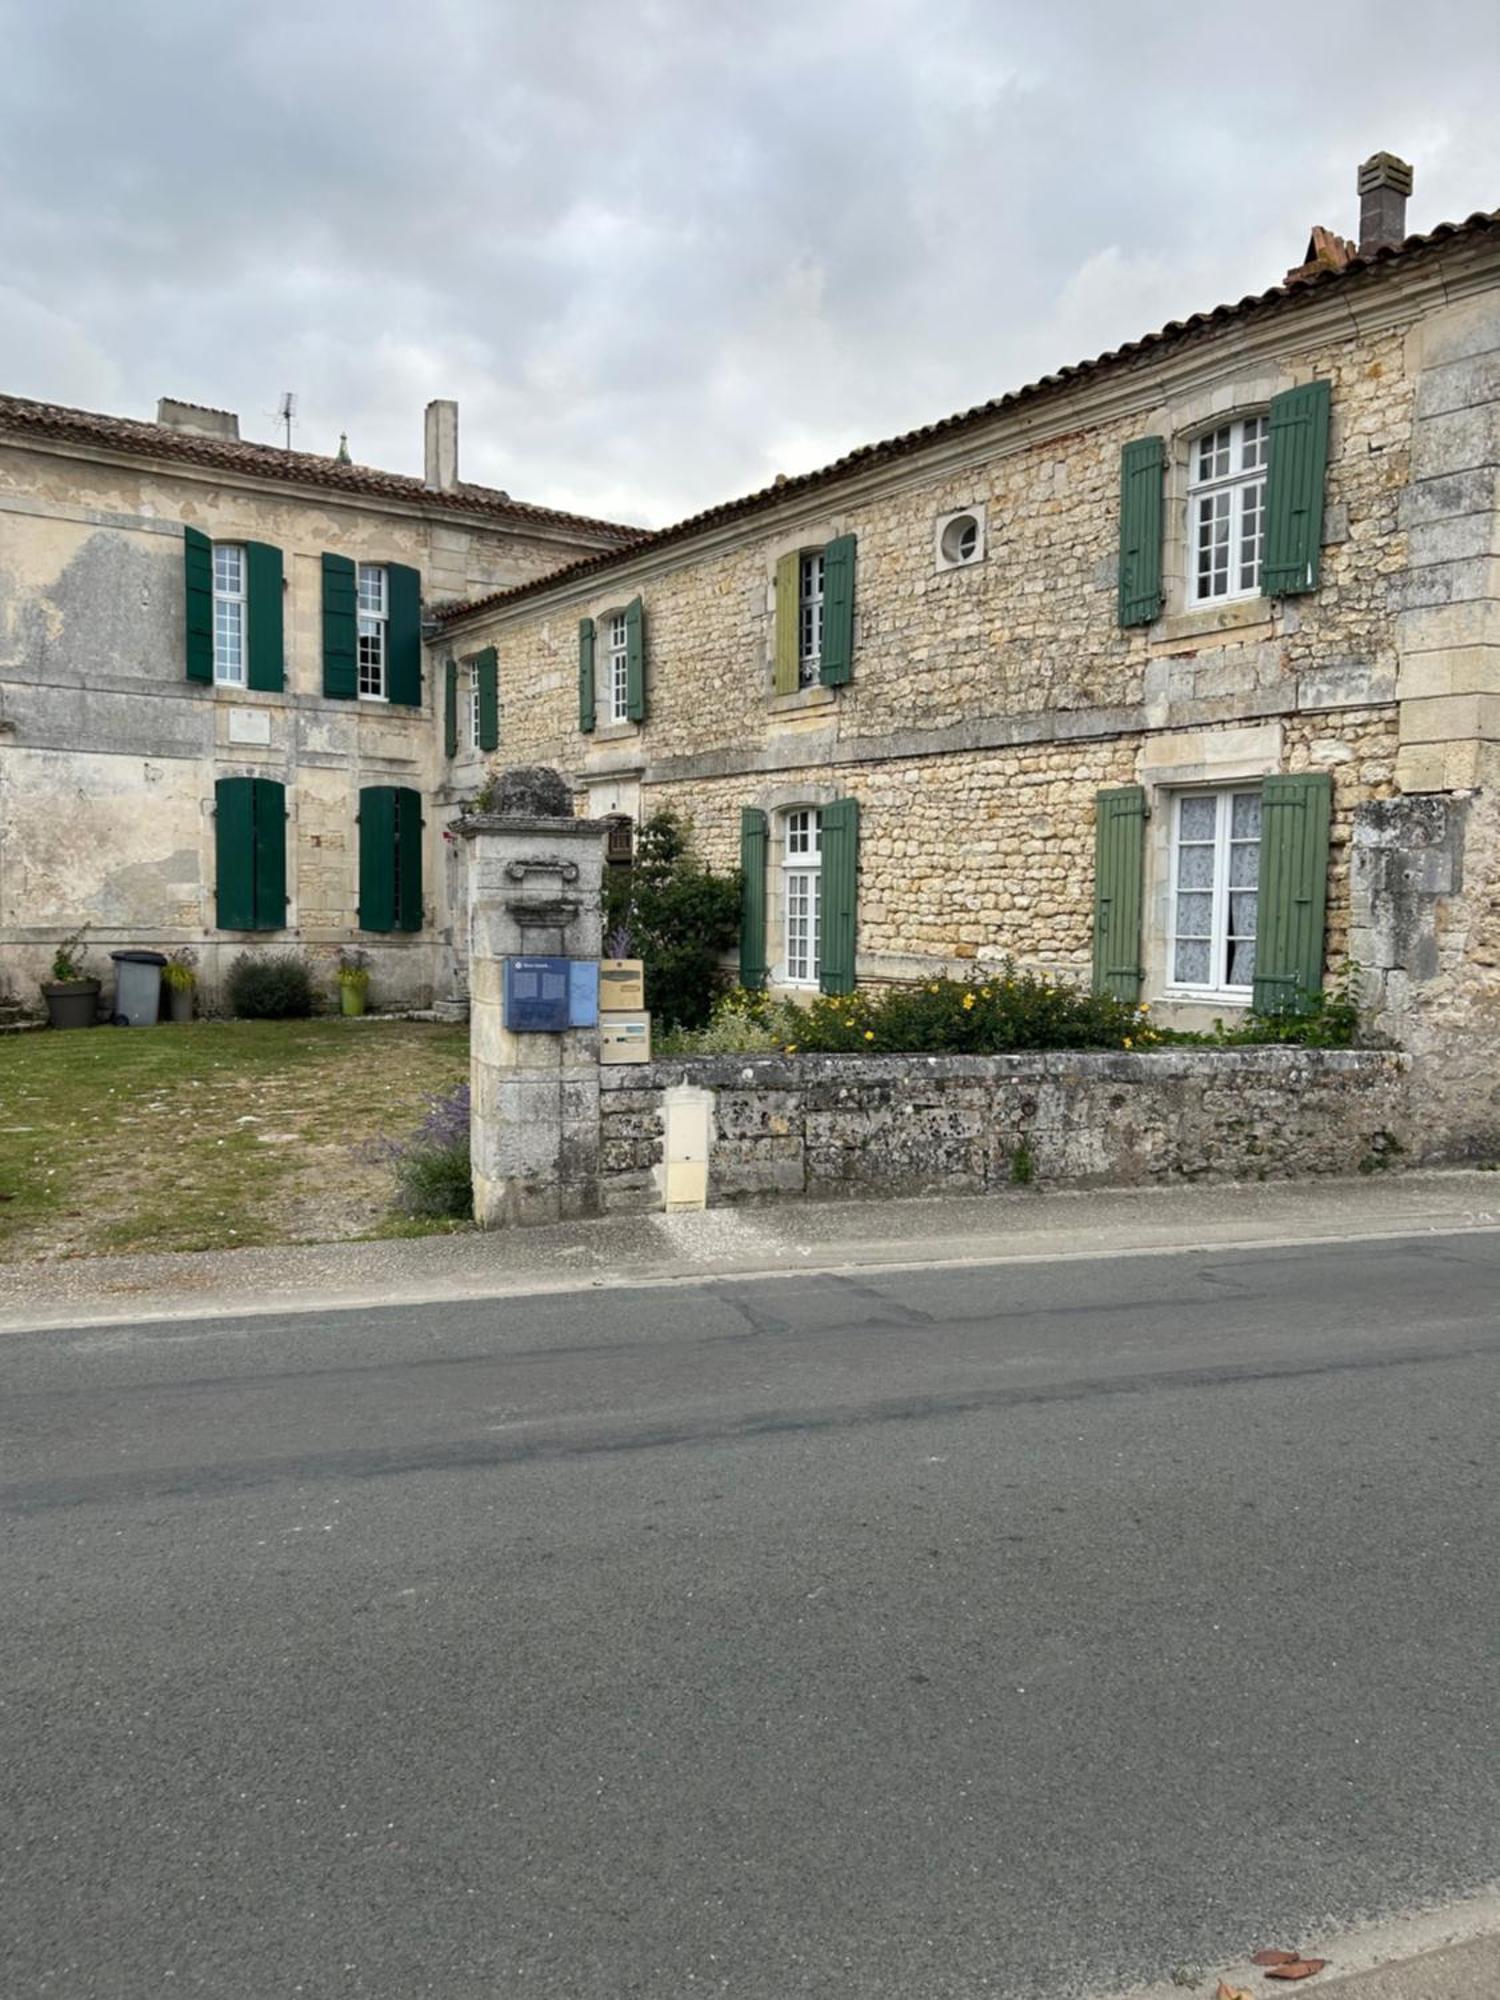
x=22, y=418
x=1306, y=281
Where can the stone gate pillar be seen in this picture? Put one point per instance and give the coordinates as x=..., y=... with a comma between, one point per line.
x=535, y=875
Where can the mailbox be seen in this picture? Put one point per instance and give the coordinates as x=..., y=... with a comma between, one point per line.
x=583, y=993
x=536, y=995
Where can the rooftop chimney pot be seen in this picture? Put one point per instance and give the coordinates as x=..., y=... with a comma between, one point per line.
x=177, y=416
x=441, y=472
x=1384, y=184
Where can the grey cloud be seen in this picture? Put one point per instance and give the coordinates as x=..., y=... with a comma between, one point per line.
x=661, y=251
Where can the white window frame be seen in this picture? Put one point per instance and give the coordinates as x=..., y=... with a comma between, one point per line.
x=1226, y=499
x=811, y=575
x=372, y=644
x=231, y=674
x=474, y=704
x=615, y=682
x=1219, y=889
x=802, y=896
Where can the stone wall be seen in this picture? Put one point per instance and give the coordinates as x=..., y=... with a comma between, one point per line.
x=848, y=1126
x=109, y=755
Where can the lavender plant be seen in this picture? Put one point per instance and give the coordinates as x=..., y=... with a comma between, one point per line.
x=431, y=1166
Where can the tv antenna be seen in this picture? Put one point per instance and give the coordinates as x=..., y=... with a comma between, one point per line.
x=286, y=411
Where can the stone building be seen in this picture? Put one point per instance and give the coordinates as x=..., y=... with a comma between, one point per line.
x=1178, y=670
x=217, y=718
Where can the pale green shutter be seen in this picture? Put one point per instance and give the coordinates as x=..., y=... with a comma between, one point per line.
x=340, y=653
x=1119, y=859
x=786, y=665
x=487, y=671
x=265, y=649
x=586, y=675
x=838, y=615
x=1297, y=461
x=1294, y=817
x=198, y=585
x=450, y=707
x=635, y=661
x=403, y=635
x=1142, y=466
x=840, y=892
x=754, y=842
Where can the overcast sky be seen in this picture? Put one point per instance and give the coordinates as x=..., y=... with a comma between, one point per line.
x=661, y=252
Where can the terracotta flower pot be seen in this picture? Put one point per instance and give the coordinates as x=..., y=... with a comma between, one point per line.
x=71, y=1003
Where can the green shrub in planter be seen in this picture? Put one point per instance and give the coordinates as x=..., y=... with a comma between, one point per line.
x=274, y=987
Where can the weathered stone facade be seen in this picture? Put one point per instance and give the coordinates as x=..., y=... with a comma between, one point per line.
x=989, y=703
x=842, y=1127
x=109, y=755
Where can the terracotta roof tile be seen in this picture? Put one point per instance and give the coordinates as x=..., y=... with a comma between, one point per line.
x=1300, y=283
x=19, y=416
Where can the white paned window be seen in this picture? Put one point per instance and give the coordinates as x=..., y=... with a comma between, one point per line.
x=1215, y=873
x=374, y=604
x=474, y=704
x=802, y=896
x=616, y=669
x=1227, y=511
x=809, y=617
x=229, y=614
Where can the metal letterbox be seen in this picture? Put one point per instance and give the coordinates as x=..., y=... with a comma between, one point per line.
x=536, y=996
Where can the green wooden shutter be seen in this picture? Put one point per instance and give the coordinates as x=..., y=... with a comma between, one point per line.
x=198, y=583
x=586, y=675
x=265, y=665
x=754, y=843
x=340, y=672
x=403, y=635
x=1294, y=816
x=270, y=854
x=450, y=707
x=377, y=858
x=786, y=671
x=1119, y=860
x=840, y=894
x=1297, y=461
x=838, y=619
x=408, y=859
x=635, y=661
x=487, y=669
x=1142, y=466
x=234, y=854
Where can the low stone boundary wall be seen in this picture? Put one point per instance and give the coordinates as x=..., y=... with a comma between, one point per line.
x=845, y=1126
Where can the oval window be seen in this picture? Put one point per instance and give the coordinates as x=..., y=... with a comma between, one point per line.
x=960, y=540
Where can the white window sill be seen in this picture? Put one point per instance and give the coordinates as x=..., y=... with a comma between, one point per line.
x=1203, y=996
x=801, y=699
x=1232, y=614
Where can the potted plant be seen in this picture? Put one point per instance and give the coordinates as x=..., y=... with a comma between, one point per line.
x=180, y=976
x=72, y=997
x=354, y=980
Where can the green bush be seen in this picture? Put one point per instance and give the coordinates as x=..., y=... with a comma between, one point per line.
x=678, y=917
x=994, y=1015
x=270, y=987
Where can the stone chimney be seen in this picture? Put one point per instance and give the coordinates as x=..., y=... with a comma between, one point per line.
x=442, y=447
x=1384, y=184
x=194, y=417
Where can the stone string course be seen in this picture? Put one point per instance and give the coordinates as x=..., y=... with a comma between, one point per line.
x=849, y=1126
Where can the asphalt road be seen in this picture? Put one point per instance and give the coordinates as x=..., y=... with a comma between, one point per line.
x=1002, y=1631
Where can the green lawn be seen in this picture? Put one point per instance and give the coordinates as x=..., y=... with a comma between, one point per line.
x=209, y=1135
